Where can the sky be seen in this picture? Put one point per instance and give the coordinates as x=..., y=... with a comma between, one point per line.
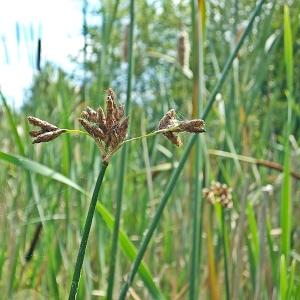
x=57, y=22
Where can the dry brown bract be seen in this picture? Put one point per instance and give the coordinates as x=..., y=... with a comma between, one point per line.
x=174, y=126
x=218, y=193
x=108, y=130
x=47, y=132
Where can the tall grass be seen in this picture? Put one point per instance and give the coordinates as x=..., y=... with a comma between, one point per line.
x=143, y=245
x=176, y=172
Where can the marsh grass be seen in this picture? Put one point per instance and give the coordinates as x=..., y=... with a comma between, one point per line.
x=142, y=243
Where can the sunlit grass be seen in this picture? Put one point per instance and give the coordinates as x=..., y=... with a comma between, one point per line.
x=153, y=235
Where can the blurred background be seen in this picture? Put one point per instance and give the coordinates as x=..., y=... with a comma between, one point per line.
x=57, y=57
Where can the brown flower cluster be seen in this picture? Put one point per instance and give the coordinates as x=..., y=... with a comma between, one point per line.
x=47, y=131
x=218, y=193
x=107, y=129
x=172, y=127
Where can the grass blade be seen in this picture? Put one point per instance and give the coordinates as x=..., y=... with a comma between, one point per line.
x=283, y=278
x=286, y=200
x=130, y=251
x=30, y=165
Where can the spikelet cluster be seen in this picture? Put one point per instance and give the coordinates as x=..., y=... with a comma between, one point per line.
x=173, y=127
x=108, y=128
x=218, y=193
x=47, y=131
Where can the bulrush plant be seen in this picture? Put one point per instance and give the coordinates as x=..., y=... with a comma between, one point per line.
x=109, y=130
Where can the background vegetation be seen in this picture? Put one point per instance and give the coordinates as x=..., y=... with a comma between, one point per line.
x=199, y=250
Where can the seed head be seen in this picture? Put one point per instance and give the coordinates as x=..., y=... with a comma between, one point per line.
x=183, y=49
x=108, y=130
x=218, y=193
x=169, y=121
x=48, y=136
x=172, y=127
x=47, y=132
x=193, y=126
x=45, y=126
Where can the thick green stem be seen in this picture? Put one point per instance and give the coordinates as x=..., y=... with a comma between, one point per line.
x=177, y=171
x=85, y=235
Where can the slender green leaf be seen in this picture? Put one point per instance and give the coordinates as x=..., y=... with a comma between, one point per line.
x=30, y=165
x=130, y=251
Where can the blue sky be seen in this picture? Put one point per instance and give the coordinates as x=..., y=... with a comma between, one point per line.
x=57, y=22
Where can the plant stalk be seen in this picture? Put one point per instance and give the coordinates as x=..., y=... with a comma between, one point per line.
x=85, y=235
x=198, y=20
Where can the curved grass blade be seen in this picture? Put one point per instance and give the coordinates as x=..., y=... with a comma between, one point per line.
x=130, y=251
x=38, y=168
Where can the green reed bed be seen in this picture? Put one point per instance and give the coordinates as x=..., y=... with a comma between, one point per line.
x=232, y=239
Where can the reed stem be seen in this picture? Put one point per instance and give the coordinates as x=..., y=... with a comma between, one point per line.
x=85, y=234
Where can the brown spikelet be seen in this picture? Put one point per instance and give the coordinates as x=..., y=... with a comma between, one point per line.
x=169, y=121
x=35, y=133
x=108, y=130
x=193, y=126
x=47, y=132
x=172, y=127
x=46, y=126
x=119, y=112
x=109, y=112
x=84, y=115
x=174, y=138
x=101, y=118
x=91, y=129
x=123, y=129
x=48, y=136
x=92, y=115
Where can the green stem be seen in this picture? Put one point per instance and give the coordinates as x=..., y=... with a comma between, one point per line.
x=198, y=32
x=121, y=171
x=224, y=240
x=177, y=171
x=76, y=131
x=196, y=237
x=85, y=235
